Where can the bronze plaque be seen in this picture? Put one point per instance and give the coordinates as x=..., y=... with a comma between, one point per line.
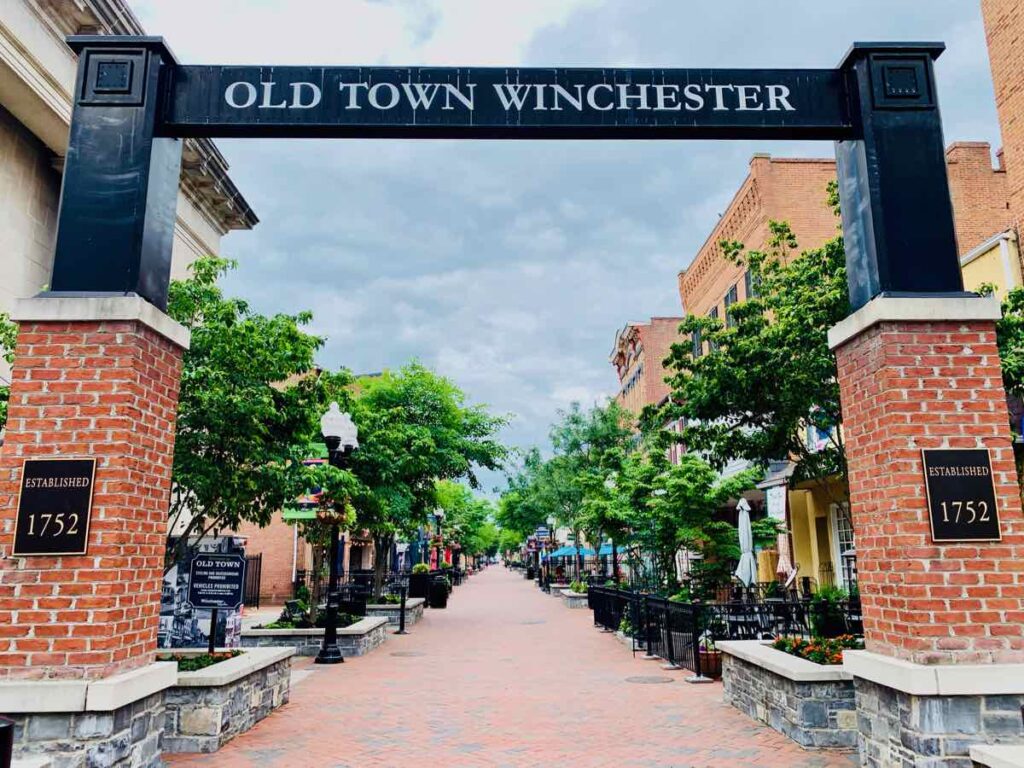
x=54, y=507
x=961, y=495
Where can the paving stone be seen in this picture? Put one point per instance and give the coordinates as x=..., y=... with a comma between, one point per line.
x=492, y=690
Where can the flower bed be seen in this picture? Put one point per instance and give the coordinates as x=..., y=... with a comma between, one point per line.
x=355, y=640
x=813, y=704
x=573, y=599
x=193, y=663
x=390, y=611
x=210, y=706
x=826, y=651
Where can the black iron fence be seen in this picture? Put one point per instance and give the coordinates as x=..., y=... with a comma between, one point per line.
x=684, y=634
x=253, y=574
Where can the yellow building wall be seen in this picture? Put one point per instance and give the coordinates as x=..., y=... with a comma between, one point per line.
x=811, y=550
x=998, y=264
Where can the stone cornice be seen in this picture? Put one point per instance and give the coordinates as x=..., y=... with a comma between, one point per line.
x=205, y=180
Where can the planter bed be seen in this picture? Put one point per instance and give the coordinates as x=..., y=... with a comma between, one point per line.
x=813, y=704
x=556, y=589
x=573, y=599
x=355, y=640
x=413, y=611
x=209, y=707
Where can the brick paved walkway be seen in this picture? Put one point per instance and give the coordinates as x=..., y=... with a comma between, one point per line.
x=505, y=676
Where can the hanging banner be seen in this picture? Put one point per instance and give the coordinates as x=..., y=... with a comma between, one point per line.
x=776, y=502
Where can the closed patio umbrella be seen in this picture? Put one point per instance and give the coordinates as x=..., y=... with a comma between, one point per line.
x=785, y=567
x=747, y=570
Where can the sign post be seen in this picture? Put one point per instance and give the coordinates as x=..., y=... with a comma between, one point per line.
x=216, y=582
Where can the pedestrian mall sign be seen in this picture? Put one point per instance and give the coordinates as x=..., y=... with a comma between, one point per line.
x=505, y=103
x=134, y=103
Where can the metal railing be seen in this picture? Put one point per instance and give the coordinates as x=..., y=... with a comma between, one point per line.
x=253, y=574
x=678, y=632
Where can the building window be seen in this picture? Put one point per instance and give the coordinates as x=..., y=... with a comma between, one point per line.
x=713, y=314
x=844, y=554
x=698, y=344
x=749, y=285
x=731, y=298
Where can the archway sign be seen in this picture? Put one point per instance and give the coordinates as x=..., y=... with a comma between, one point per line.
x=134, y=103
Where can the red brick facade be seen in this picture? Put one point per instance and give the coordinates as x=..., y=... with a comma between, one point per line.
x=638, y=357
x=1004, y=28
x=907, y=386
x=107, y=390
x=980, y=197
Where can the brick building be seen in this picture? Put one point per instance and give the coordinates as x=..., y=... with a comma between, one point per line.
x=1004, y=29
x=638, y=354
x=37, y=77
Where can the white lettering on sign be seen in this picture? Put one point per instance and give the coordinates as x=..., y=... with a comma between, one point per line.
x=519, y=97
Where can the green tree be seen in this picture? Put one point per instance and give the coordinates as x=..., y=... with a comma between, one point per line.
x=8, y=337
x=415, y=429
x=240, y=430
x=468, y=518
x=768, y=373
x=1010, y=336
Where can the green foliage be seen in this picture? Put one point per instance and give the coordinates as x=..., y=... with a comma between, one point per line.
x=421, y=568
x=768, y=374
x=8, y=337
x=238, y=449
x=827, y=612
x=1010, y=335
x=468, y=518
x=626, y=626
x=820, y=651
x=195, y=663
x=578, y=587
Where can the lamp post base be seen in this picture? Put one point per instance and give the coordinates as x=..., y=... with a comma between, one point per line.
x=329, y=654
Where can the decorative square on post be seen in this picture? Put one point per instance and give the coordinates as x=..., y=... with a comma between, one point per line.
x=901, y=82
x=114, y=78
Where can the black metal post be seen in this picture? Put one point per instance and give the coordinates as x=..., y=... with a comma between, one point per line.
x=6, y=742
x=403, y=591
x=213, y=632
x=330, y=653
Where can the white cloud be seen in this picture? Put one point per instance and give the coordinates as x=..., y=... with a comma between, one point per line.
x=509, y=266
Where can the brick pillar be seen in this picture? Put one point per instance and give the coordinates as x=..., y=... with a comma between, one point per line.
x=93, y=378
x=912, y=376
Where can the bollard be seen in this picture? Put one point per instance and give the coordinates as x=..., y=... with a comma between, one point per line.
x=403, y=590
x=6, y=742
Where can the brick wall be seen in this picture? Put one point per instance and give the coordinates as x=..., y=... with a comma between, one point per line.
x=647, y=345
x=979, y=192
x=793, y=190
x=276, y=543
x=780, y=189
x=905, y=387
x=90, y=389
x=1004, y=28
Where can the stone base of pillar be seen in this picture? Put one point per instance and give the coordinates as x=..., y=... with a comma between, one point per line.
x=118, y=721
x=916, y=715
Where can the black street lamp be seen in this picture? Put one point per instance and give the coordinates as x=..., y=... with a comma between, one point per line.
x=340, y=436
x=439, y=516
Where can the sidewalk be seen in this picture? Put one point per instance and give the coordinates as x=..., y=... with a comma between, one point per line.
x=505, y=676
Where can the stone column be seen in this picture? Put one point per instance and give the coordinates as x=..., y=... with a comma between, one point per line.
x=943, y=622
x=93, y=378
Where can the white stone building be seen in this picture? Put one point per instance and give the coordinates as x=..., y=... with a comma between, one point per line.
x=37, y=77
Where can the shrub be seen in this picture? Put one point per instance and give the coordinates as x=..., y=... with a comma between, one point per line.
x=421, y=568
x=626, y=626
x=818, y=650
x=195, y=663
x=578, y=587
x=827, y=614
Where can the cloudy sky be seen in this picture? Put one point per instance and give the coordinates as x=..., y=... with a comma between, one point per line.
x=509, y=266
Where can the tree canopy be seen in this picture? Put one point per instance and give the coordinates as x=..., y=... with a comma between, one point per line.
x=246, y=409
x=8, y=337
x=767, y=373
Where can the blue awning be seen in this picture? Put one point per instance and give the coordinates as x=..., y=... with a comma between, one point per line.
x=605, y=550
x=570, y=552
